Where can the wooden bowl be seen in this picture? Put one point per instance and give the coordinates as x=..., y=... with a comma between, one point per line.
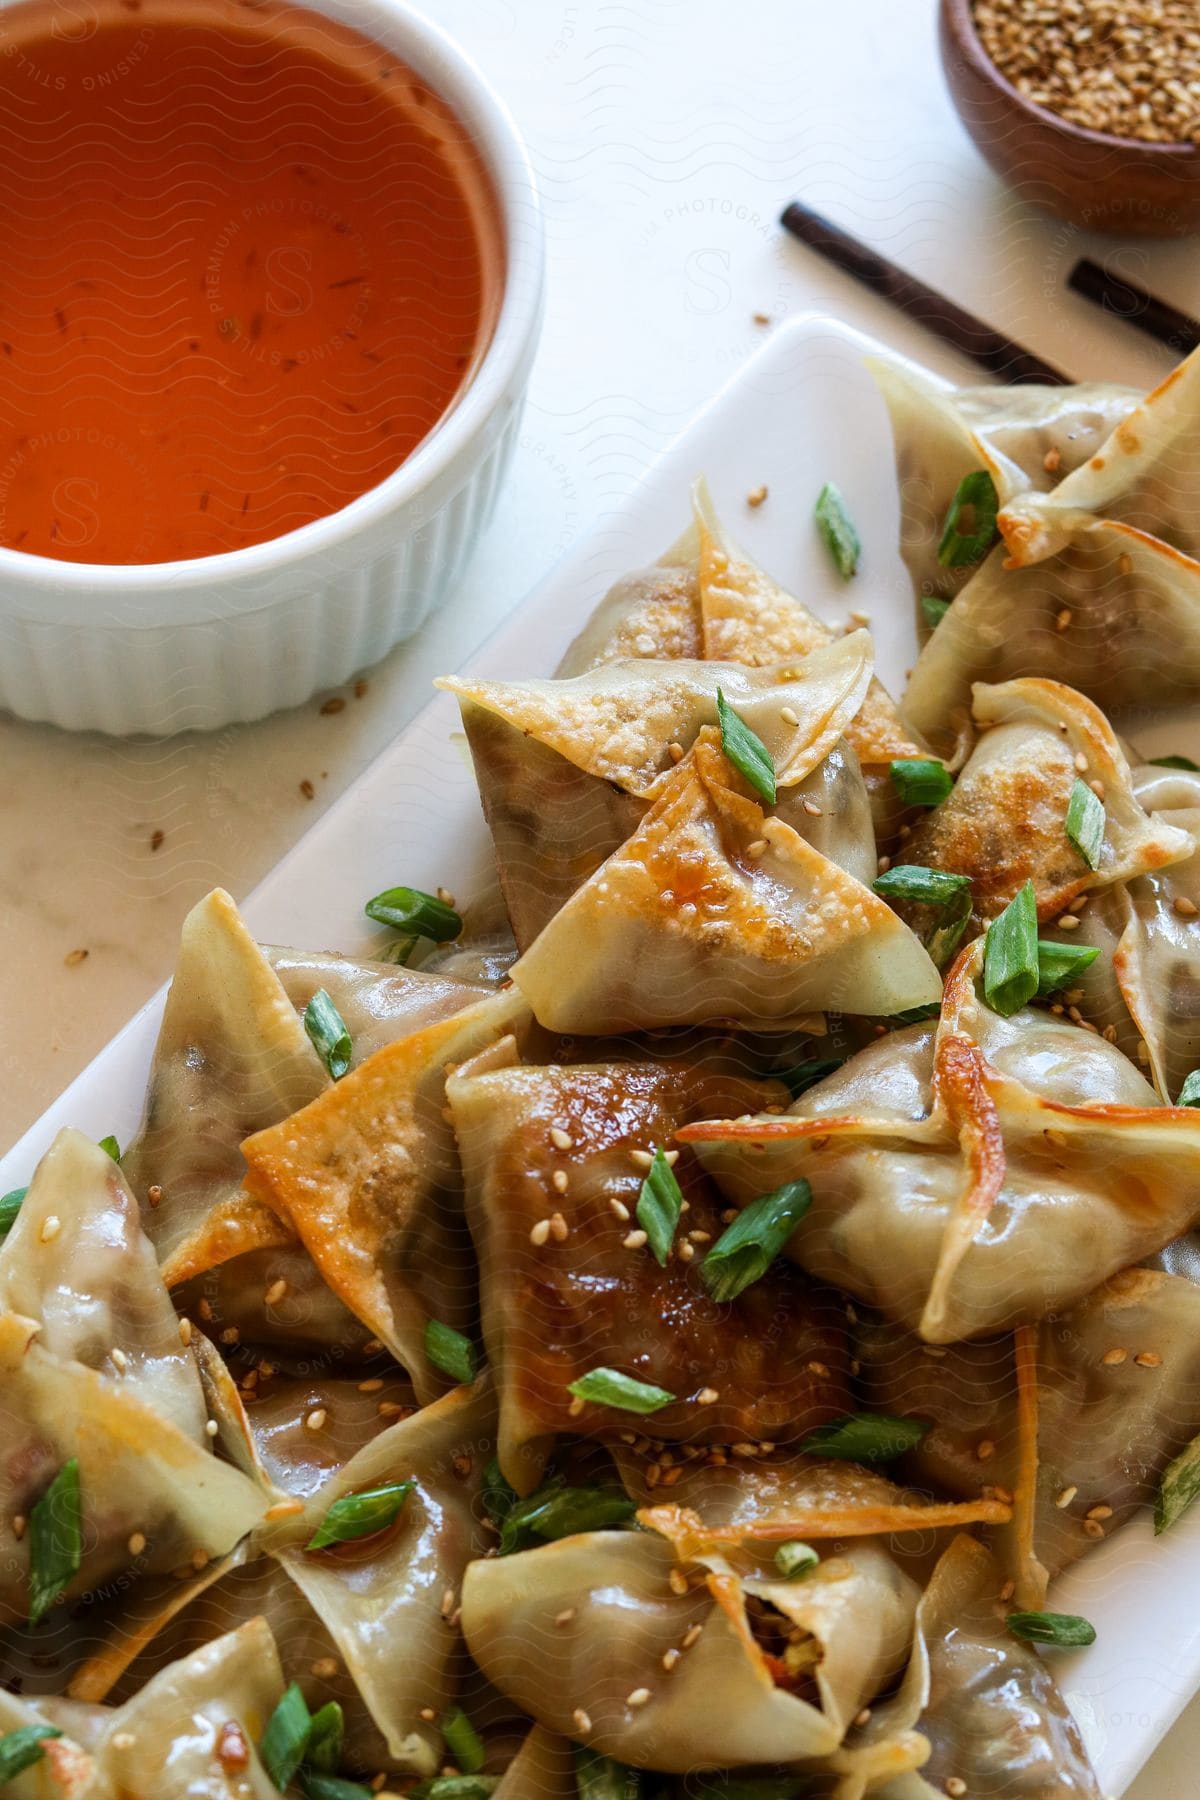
x=1101, y=182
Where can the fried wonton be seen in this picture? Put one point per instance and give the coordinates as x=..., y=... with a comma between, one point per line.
x=568, y=1146
x=970, y=1178
x=715, y=910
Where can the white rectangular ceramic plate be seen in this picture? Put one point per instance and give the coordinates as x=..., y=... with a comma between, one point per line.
x=802, y=411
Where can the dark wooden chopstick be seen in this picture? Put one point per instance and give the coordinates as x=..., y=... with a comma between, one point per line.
x=998, y=354
x=1126, y=301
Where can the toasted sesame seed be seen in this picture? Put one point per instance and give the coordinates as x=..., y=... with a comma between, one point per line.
x=200, y=1559
x=51, y=1226
x=675, y=752
x=813, y=810
x=316, y=1419
x=685, y=1251
x=576, y=1406
x=123, y=1740
x=1093, y=1528
x=700, y=1237
x=137, y=1543
x=185, y=1331
x=633, y=1240
x=154, y=1194
x=565, y=1616
x=1057, y=1138
x=540, y=1233
x=284, y=1509
x=390, y=1409
x=559, y=1229
x=560, y=1181
x=372, y=1384
x=670, y=1658
x=619, y=1208
x=276, y=1292
x=1063, y=619
x=788, y=716
x=985, y=1449
x=708, y=1396
x=19, y=1522
x=1100, y=1512
x=691, y=1636
x=1052, y=461
x=882, y=866
x=211, y=1428
x=428, y=1714
x=638, y=1697
x=204, y=1308
x=447, y=1606
x=1148, y=1359
x=230, y=1335
x=372, y=1347
x=863, y=1717
x=1068, y=922
x=1008, y=1590
x=671, y=1157
x=756, y=849
x=820, y=1369
x=677, y=1581
x=641, y=1159
x=581, y=1720
x=1064, y=1497
x=120, y=1360
x=561, y=1139
x=1081, y=762
x=956, y=1787
x=1184, y=907
x=756, y=496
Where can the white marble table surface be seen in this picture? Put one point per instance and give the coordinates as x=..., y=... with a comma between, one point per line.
x=666, y=135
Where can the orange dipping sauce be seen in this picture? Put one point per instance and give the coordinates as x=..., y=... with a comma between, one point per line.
x=249, y=261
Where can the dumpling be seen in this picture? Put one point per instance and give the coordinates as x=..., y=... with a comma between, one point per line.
x=713, y=910
x=368, y=1179
x=1005, y=820
x=1096, y=583
x=559, y=1145
x=970, y=1179
x=567, y=769
x=1026, y=438
x=93, y=1373
x=576, y=1632
x=654, y=612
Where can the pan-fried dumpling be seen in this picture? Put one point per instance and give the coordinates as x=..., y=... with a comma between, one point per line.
x=368, y=1179
x=971, y=1179
x=566, y=769
x=559, y=1145
x=378, y=1001
x=713, y=910
x=576, y=1632
x=995, y=1719
x=653, y=613
x=1005, y=821
x=1026, y=438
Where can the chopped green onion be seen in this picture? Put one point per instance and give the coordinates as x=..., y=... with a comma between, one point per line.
x=463, y=1741
x=20, y=1749
x=10, y=1206
x=947, y=934
x=327, y=1034
x=399, y=953
x=746, y=1249
x=1059, y=964
x=957, y=548
x=285, y=1739
x=601, y=1778
x=499, y=1497
x=916, y=1015
x=659, y=1206
x=455, y=1787
x=927, y=887
x=1085, y=822
x=110, y=1147
x=415, y=914
x=360, y=1515
x=933, y=610
x=1066, y=1630
x=921, y=780
x=55, y=1540
x=326, y=1735
x=554, y=1511
x=802, y=1076
x=316, y=1786
x=795, y=1560
x=1178, y=1488
x=837, y=529
x=608, y=1387
x=865, y=1438
x=1174, y=762
x=746, y=750
x=1010, y=959
x=450, y=1351
x=1189, y=1093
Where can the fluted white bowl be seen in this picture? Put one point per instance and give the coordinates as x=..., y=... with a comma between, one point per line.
x=163, y=647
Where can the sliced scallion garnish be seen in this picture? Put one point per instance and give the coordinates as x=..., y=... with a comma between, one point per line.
x=921, y=780
x=837, y=529
x=795, y=1560
x=316, y=1786
x=798, y=1079
x=1084, y=824
x=10, y=1206
x=20, y=1749
x=1067, y=1631
x=933, y=610
x=285, y=1739
x=449, y=1351
x=1059, y=964
x=1189, y=1093
x=110, y=1147
x=455, y=1787
x=1178, y=1488
x=660, y=1203
x=463, y=1741
x=926, y=887
x=746, y=750
x=609, y=1387
x=327, y=1034
x=499, y=1496
x=1174, y=762
x=55, y=1540
x=360, y=1515
x=602, y=1778
x=1010, y=960
x=966, y=540
x=746, y=1249
x=326, y=1735
x=554, y=1511
x=865, y=1438
x=415, y=914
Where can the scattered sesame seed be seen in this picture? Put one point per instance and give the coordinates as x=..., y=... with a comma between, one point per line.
x=1064, y=1497
x=211, y=1427
x=813, y=810
x=447, y=1606
x=1100, y=1512
x=863, y=1717
x=708, y=1396
x=372, y=1384
x=560, y=1181
x=204, y=1308
x=154, y=1195
x=883, y=865
x=985, y=1449
x=691, y=1636
x=1063, y=619
x=185, y=1331
x=576, y=1406
x=619, y=1208
x=1184, y=907
x=1148, y=1359
x=1081, y=762
x=685, y=1251
x=200, y=1559
x=756, y=496
x=1052, y=461
x=427, y=1713
x=284, y=1509
x=633, y=1240
x=1068, y=922
x=19, y=1522
x=447, y=898
x=540, y=1233
x=641, y=1159
x=276, y=1292
x=73, y=958
x=789, y=715
x=316, y=1419
x=581, y=1720
x=325, y=1667
x=51, y=1226
x=675, y=752
x=1093, y=1528
x=638, y=1697
x=1008, y=1590
x=561, y=1139
x=565, y=1616
x=956, y=1787
x=123, y=1740
x=230, y=1335
x=670, y=1658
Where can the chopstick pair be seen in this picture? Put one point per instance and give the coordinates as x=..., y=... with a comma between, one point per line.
x=1001, y=356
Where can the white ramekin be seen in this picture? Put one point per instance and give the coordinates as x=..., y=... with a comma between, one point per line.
x=168, y=647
